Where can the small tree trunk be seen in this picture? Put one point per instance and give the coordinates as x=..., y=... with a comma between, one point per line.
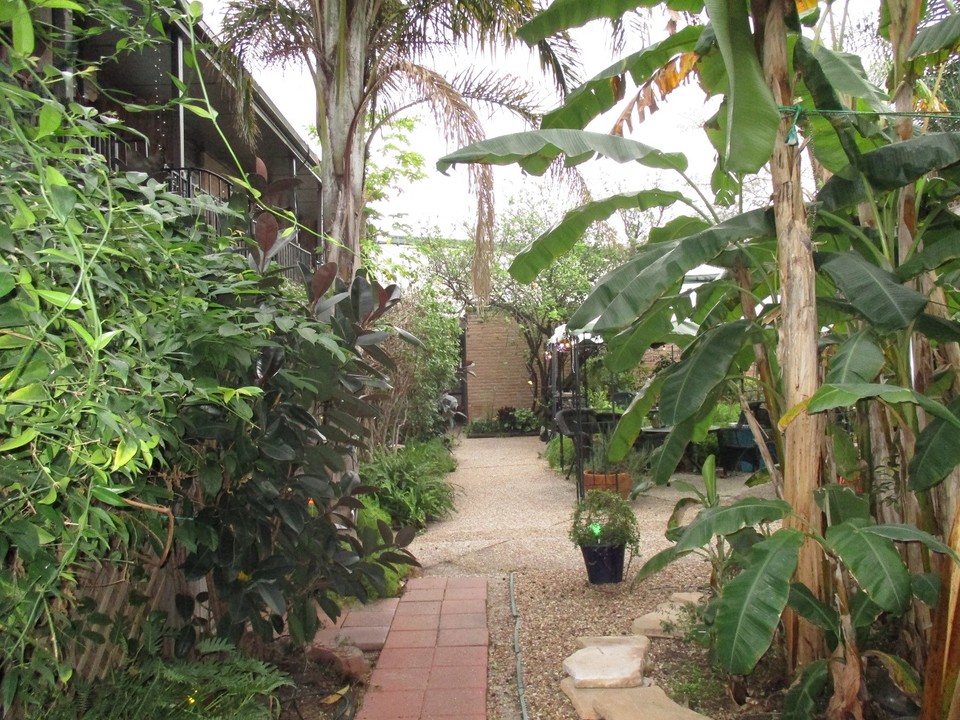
x=799, y=331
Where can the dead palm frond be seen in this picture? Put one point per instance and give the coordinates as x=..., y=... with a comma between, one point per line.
x=460, y=125
x=268, y=33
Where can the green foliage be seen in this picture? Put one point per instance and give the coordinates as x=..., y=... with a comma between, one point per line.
x=144, y=368
x=604, y=518
x=557, y=447
x=409, y=482
x=691, y=683
x=422, y=373
x=509, y=421
x=369, y=519
x=220, y=684
x=517, y=420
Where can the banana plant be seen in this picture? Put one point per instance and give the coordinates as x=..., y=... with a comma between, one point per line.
x=747, y=609
x=833, y=278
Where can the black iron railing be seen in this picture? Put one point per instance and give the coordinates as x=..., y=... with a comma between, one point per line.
x=214, y=191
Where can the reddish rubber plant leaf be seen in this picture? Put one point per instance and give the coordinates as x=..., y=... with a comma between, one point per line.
x=268, y=364
x=387, y=297
x=322, y=280
x=266, y=232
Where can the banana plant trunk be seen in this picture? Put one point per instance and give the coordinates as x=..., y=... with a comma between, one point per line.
x=803, y=437
x=342, y=29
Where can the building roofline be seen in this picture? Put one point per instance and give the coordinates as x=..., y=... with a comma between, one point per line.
x=263, y=105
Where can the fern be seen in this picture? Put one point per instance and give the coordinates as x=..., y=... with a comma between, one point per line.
x=221, y=685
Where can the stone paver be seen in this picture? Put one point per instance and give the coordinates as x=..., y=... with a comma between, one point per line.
x=649, y=703
x=607, y=666
x=433, y=659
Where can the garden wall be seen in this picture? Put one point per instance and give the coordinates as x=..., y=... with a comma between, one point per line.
x=498, y=353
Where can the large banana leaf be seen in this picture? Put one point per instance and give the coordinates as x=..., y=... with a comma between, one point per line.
x=826, y=75
x=689, y=385
x=943, y=35
x=890, y=167
x=931, y=257
x=858, y=360
x=843, y=72
x=901, y=532
x=936, y=454
x=628, y=428
x=811, y=608
x=567, y=14
x=874, y=292
x=874, y=562
x=630, y=290
x=752, y=115
x=750, y=605
x=841, y=503
x=605, y=89
x=656, y=563
x=864, y=611
x=668, y=455
x=561, y=238
x=726, y=519
x=534, y=151
x=834, y=396
x=802, y=698
x=937, y=328
x=625, y=350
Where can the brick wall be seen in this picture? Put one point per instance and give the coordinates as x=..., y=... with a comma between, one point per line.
x=498, y=352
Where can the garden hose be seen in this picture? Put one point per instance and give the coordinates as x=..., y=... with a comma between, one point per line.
x=521, y=693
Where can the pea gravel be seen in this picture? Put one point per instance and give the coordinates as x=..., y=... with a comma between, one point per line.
x=512, y=517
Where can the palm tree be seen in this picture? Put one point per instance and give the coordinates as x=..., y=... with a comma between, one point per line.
x=366, y=60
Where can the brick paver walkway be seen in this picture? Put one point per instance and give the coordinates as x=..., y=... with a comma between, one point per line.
x=433, y=662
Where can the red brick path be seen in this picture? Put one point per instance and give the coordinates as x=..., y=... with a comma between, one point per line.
x=434, y=659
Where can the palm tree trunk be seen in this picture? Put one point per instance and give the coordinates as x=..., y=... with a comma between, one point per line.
x=803, y=438
x=342, y=29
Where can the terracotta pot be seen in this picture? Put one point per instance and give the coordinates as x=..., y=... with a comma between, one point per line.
x=619, y=482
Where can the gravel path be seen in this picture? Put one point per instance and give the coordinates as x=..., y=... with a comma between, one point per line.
x=512, y=518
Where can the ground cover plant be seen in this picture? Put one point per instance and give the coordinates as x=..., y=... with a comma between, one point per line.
x=409, y=482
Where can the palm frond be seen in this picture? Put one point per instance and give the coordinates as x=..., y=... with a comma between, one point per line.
x=560, y=58
x=271, y=32
x=460, y=125
x=504, y=92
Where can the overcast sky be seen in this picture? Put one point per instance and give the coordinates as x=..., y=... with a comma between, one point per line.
x=446, y=203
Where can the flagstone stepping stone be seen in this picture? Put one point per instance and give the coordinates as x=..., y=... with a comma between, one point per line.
x=686, y=598
x=638, y=640
x=617, y=665
x=649, y=703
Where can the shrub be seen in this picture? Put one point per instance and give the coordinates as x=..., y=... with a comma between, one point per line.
x=483, y=426
x=410, y=483
x=368, y=519
x=559, y=448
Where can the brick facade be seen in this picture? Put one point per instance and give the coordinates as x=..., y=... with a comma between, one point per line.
x=498, y=353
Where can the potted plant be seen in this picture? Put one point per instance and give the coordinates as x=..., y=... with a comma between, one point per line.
x=601, y=473
x=604, y=526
